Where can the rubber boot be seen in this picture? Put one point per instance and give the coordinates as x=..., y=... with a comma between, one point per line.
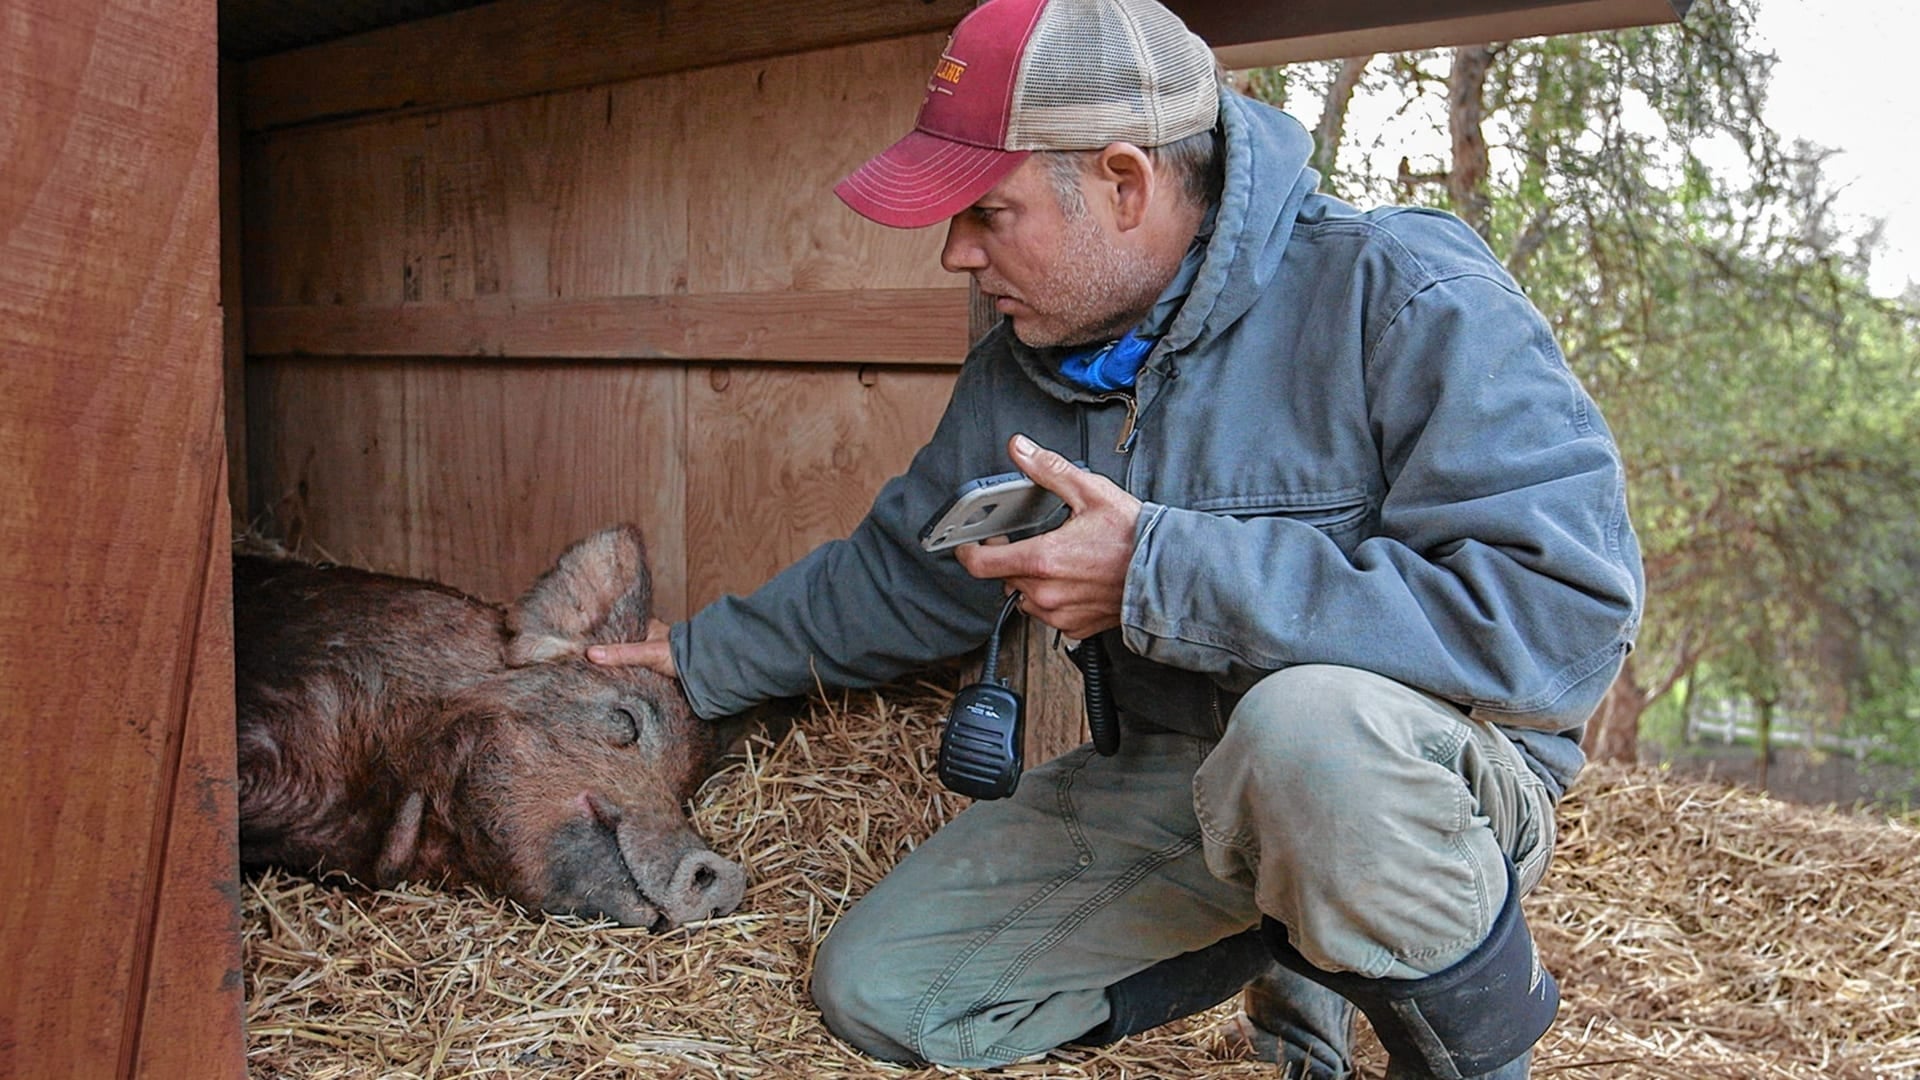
x=1519, y=1068
x=1478, y=1018
x=1186, y=984
x=1297, y=1024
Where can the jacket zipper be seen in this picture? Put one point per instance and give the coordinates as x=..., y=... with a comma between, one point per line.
x=1128, y=426
x=1131, y=429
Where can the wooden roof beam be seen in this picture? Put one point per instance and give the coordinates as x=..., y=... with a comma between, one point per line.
x=514, y=48
x=511, y=48
x=1248, y=35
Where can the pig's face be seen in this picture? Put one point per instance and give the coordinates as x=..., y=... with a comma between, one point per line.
x=574, y=797
x=570, y=780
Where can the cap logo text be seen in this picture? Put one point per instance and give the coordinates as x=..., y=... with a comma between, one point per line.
x=946, y=75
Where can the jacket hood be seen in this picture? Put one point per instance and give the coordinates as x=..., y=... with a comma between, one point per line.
x=1267, y=181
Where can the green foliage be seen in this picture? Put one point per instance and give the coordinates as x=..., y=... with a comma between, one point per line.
x=1767, y=404
x=1665, y=723
x=1890, y=711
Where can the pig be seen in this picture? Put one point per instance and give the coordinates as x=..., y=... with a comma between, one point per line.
x=398, y=729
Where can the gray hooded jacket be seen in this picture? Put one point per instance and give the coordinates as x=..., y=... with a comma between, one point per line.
x=1357, y=443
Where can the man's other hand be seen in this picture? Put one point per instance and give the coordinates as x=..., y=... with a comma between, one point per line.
x=1072, y=578
x=650, y=652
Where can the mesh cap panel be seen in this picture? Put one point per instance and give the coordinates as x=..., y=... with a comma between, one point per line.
x=1101, y=71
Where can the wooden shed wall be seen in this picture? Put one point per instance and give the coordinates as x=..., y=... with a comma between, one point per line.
x=118, y=932
x=477, y=333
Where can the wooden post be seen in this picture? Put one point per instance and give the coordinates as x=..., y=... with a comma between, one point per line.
x=1041, y=673
x=119, y=935
x=233, y=337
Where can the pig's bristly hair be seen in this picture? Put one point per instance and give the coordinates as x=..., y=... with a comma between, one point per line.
x=599, y=591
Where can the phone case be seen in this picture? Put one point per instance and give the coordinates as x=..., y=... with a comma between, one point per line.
x=988, y=507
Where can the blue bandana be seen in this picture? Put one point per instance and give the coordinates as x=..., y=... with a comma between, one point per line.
x=1112, y=366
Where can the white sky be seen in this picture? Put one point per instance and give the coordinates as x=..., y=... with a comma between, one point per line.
x=1846, y=80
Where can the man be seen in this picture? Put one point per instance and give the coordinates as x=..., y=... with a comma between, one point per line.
x=1354, y=539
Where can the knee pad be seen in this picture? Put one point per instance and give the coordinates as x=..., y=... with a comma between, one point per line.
x=1483, y=1012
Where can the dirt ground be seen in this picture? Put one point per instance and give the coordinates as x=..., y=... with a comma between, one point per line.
x=1698, y=931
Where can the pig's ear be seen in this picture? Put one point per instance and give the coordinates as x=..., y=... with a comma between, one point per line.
x=599, y=591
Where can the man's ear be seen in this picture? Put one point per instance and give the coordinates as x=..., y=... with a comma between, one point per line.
x=1127, y=179
x=599, y=591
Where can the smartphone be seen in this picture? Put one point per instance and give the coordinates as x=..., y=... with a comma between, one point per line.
x=987, y=507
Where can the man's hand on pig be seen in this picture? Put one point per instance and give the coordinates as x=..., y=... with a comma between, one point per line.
x=651, y=652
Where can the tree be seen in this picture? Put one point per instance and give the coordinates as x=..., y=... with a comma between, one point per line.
x=1690, y=262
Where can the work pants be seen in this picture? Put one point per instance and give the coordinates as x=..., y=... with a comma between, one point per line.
x=1375, y=821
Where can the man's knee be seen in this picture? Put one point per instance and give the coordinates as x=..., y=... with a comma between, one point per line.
x=1333, y=786
x=1317, y=719
x=858, y=1003
x=1299, y=769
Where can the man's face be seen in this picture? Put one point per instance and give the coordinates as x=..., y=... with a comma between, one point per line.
x=1062, y=278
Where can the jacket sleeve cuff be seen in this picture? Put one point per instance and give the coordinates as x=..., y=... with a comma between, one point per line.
x=690, y=682
x=1136, y=591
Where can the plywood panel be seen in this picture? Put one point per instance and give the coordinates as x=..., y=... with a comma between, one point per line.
x=326, y=214
x=512, y=48
x=511, y=463
x=576, y=194
x=571, y=194
x=326, y=446
x=676, y=200
x=775, y=137
x=111, y=501
x=781, y=459
x=1261, y=35
x=472, y=474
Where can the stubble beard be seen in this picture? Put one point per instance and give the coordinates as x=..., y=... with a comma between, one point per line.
x=1097, y=292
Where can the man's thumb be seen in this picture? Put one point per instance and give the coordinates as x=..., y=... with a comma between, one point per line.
x=1050, y=470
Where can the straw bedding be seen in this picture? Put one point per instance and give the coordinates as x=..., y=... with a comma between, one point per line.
x=1698, y=931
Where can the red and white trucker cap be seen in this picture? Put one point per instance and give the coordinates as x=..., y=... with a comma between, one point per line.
x=1025, y=75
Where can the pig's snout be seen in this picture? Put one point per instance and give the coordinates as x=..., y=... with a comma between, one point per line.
x=703, y=886
x=695, y=885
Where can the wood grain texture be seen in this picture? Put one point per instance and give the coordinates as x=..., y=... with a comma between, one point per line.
x=679, y=216
x=898, y=326
x=768, y=143
x=186, y=1014
x=112, y=503
x=326, y=450
x=1055, y=696
x=513, y=48
x=472, y=474
x=564, y=195
x=326, y=216
x=781, y=459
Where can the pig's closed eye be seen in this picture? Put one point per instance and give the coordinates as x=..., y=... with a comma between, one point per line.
x=627, y=721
